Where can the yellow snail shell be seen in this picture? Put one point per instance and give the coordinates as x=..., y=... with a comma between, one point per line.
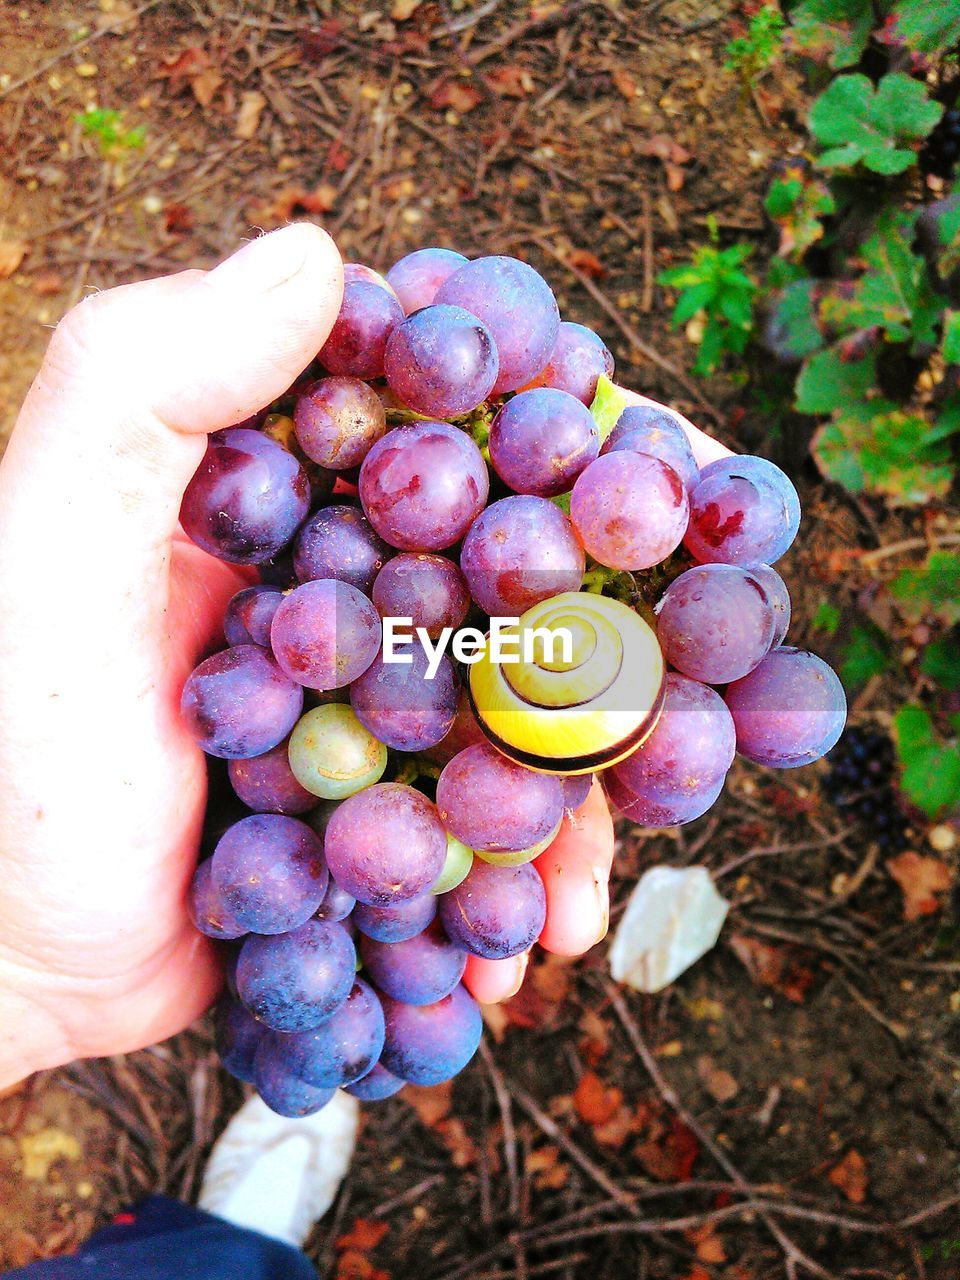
x=580, y=715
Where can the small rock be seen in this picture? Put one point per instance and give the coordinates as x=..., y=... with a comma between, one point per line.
x=674, y=917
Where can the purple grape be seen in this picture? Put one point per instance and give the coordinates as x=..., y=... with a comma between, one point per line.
x=419, y=970
x=401, y=704
x=789, y=711
x=423, y=485
x=377, y=1084
x=237, y=1035
x=578, y=360
x=339, y=542
x=246, y=498
x=281, y=1088
x=249, y=615
x=416, y=278
x=521, y=550
x=429, y=1043
x=338, y=420
x=743, y=511
x=576, y=788
x=494, y=804
x=368, y=315
x=239, y=703
x=296, y=980
x=630, y=510
x=266, y=783
x=386, y=845
x=497, y=911
x=207, y=909
x=342, y=1049
x=428, y=589
x=270, y=873
x=441, y=361
x=325, y=634
x=337, y=903
x=541, y=440
x=677, y=773
x=779, y=598
x=644, y=429
x=353, y=271
x=396, y=924
x=517, y=306
x=715, y=623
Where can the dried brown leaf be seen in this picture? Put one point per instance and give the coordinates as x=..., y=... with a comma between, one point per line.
x=365, y=1234
x=595, y=1102
x=850, y=1176
x=920, y=880
x=774, y=967
x=511, y=80
x=401, y=10
x=456, y=94
x=205, y=86
x=720, y=1084
x=252, y=103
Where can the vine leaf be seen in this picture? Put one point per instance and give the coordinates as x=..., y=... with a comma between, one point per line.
x=860, y=125
x=932, y=589
x=922, y=25
x=792, y=330
x=796, y=203
x=887, y=452
x=931, y=767
x=827, y=382
x=834, y=31
x=894, y=293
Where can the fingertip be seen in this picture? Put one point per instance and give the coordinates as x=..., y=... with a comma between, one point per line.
x=491, y=981
x=575, y=870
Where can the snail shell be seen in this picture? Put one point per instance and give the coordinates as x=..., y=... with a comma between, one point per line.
x=578, y=715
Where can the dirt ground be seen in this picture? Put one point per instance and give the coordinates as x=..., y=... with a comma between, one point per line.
x=794, y=1100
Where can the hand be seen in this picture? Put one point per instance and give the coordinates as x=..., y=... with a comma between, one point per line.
x=105, y=609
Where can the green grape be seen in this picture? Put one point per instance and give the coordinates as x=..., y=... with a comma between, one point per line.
x=333, y=755
x=456, y=868
x=517, y=857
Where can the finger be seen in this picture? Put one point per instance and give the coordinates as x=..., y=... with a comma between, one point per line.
x=575, y=870
x=491, y=981
x=705, y=448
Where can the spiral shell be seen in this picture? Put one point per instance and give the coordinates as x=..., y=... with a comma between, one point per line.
x=581, y=714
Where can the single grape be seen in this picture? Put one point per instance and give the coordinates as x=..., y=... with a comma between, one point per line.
x=296, y=980
x=517, y=306
x=237, y=1034
x=249, y=615
x=416, y=278
x=743, y=511
x=342, y=1049
x=207, y=909
x=578, y=360
x=386, y=844
x=333, y=755
x=456, y=868
x=270, y=873
x=541, y=440
x=715, y=623
x=789, y=711
x=377, y=1084
x=465, y=732
x=429, y=1043
x=521, y=550
x=779, y=598
x=428, y=589
x=353, y=271
x=419, y=970
x=325, y=633
x=576, y=788
x=267, y=784
x=395, y=924
x=339, y=542
x=676, y=774
x=403, y=706
x=630, y=510
x=423, y=485
x=497, y=911
x=337, y=422
x=239, y=703
x=643, y=429
x=441, y=361
x=495, y=804
x=368, y=315
x=246, y=499
x=336, y=905
x=281, y=1088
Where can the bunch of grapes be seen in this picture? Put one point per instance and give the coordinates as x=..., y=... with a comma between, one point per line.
x=860, y=784
x=440, y=464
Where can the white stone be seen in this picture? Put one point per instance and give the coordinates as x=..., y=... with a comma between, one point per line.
x=674, y=917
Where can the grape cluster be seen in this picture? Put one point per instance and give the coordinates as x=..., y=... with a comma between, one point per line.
x=941, y=150
x=860, y=783
x=440, y=463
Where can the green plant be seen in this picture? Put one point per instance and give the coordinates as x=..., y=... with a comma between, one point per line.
x=750, y=55
x=105, y=126
x=715, y=285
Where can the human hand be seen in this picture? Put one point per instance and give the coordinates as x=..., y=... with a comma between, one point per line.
x=106, y=608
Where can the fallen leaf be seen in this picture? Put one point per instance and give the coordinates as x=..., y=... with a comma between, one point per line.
x=365, y=1234
x=615, y=1131
x=588, y=263
x=177, y=218
x=12, y=253
x=920, y=880
x=664, y=148
x=38, y=1151
x=670, y=1157
x=338, y=157
x=546, y=1168
x=594, y=1101
x=432, y=1103
x=707, y=1244
x=401, y=10
x=511, y=81
x=317, y=42
x=774, y=967
x=697, y=1273
x=676, y=177
x=354, y=1265
x=596, y=1044
x=456, y=94
x=205, y=86
x=291, y=201
x=185, y=64
x=720, y=1084
x=850, y=1176
x=252, y=103
x=703, y=1008
x=625, y=83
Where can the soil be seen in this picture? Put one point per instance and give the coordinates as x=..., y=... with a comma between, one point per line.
x=815, y=1053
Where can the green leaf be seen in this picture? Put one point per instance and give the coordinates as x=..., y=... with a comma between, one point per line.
x=923, y=25
x=941, y=662
x=691, y=301
x=931, y=767
x=883, y=450
x=608, y=404
x=858, y=124
x=894, y=293
x=866, y=654
x=951, y=337
x=793, y=327
x=827, y=383
x=826, y=618
x=932, y=589
x=831, y=30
